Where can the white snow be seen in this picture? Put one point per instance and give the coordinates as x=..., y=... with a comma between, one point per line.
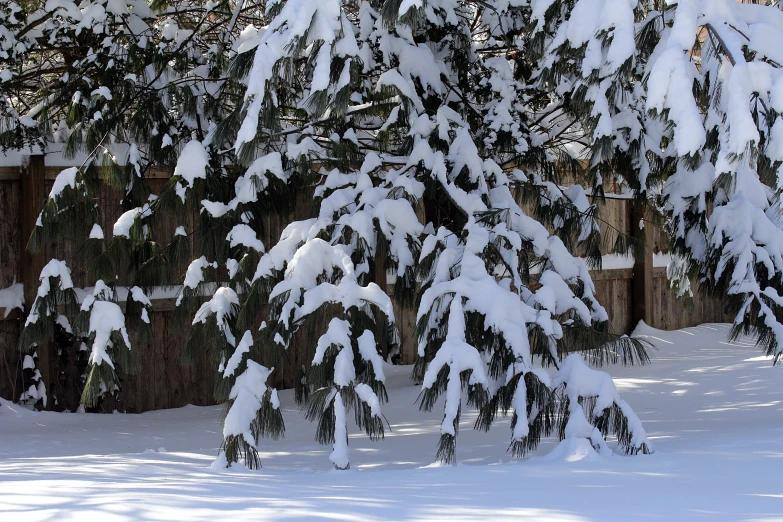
x=192, y=162
x=194, y=274
x=369, y=352
x=11, y=298
x=341, y=451
x=712, y=408
x=28, y=363
x=138, y=295
x=105, y=318
x=57, y=269
x=96, y=232
x=124, y=223
x=223, y=305
x=242, y=348
x=54, y=269
x=244, y=235
x=66, y=178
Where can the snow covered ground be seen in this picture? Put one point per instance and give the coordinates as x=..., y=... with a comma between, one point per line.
x=714, y=411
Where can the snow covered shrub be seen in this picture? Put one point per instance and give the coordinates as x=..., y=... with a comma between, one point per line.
x=420, y=136
x=454, y=151
x=600, y=410
x=335, y=353
x=54, y=293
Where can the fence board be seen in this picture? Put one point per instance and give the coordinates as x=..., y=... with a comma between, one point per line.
x=10, y=357
x=9, y=233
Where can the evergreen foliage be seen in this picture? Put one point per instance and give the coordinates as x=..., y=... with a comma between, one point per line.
x=454, y=151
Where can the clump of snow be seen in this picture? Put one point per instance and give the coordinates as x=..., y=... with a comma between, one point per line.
x=192, y=163
x=222, y=305
x=106, y=317
x=340, y=452
x=236, y=358
x=138, y=295
x=243, y=235
x=57, y=270
x=96, y=232
x=123, y=225
x=369, y=352
x=66, y=178
x=28, y=363
x=194, y=275
x=64, y=323
x=12, y=298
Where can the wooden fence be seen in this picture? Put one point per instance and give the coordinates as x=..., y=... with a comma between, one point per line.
x=166, y=381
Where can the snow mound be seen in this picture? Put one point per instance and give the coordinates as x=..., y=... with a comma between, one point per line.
x=9, y=410
x=572, y=450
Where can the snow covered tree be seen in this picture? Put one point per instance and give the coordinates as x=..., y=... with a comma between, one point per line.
x=683, y=101
x=421, y=128
x=720, y=98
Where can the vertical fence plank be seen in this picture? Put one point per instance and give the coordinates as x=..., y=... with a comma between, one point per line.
x=32, y=198
x=642, y=292
x=10, y=360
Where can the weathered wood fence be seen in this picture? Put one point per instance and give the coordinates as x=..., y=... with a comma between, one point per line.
x=640, y=292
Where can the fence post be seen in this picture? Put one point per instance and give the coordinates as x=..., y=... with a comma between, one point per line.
x=642, y=286
x=32, y=186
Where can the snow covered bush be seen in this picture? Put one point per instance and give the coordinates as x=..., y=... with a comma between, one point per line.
x=452, y=151
x=335, y=354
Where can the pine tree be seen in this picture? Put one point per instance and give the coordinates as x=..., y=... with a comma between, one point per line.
x=401, y=115
x=688, y=118
x=719, y=97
